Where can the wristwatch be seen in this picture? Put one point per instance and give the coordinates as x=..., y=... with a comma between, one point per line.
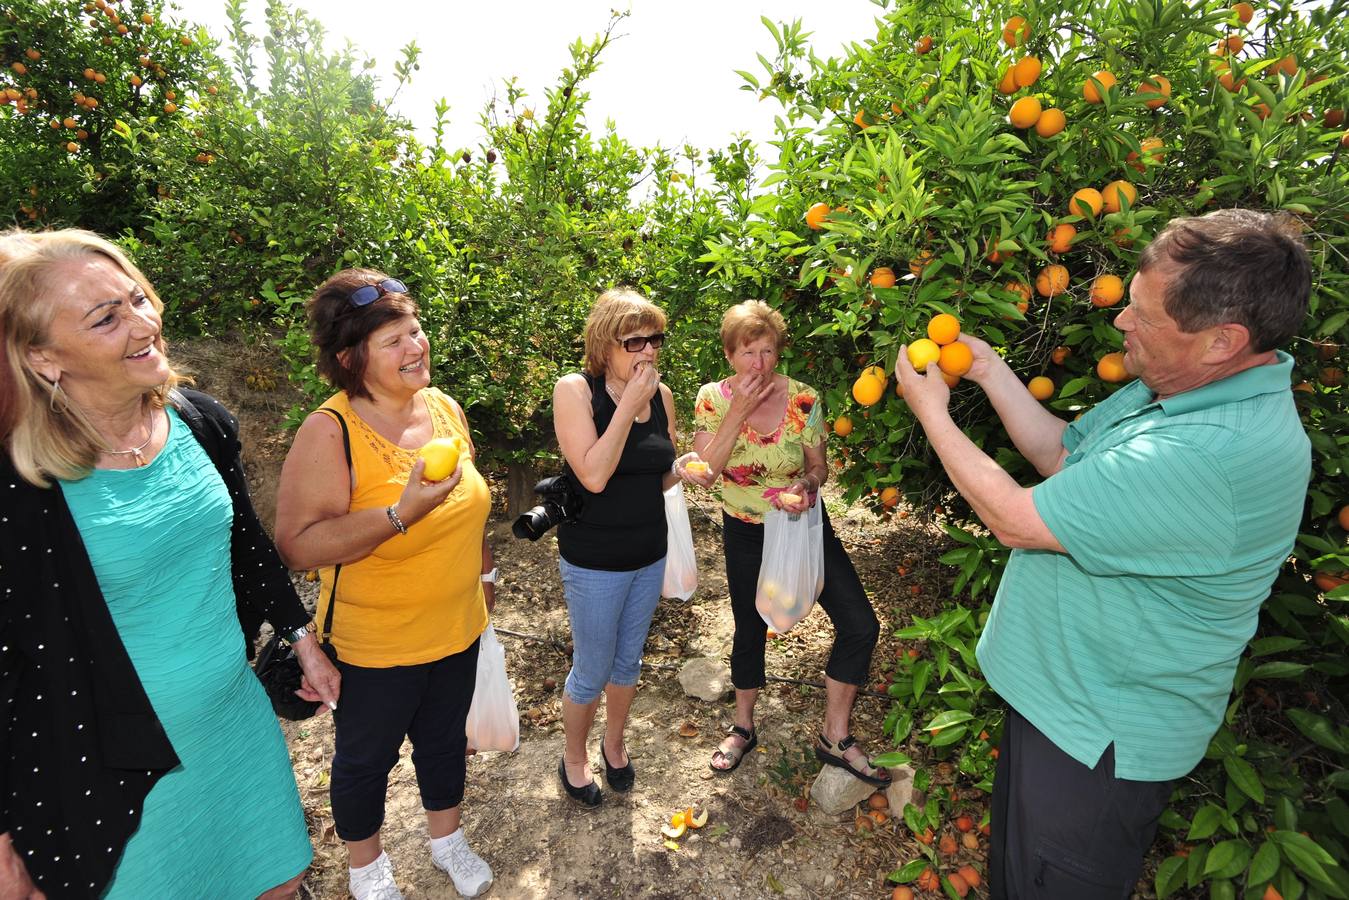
x=490, y=577
x=294, y=637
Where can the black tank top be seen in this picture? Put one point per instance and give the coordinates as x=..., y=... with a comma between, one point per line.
x=622, y=528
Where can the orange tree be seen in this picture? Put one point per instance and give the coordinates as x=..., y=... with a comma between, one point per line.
x=85, y=90
x=1006, y=164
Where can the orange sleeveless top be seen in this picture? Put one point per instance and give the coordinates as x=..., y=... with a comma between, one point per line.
x=418, y=596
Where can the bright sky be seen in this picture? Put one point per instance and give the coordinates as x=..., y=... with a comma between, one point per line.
x=670, y=78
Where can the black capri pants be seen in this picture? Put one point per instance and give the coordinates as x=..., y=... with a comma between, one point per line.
x=429, y=704
x=843, y=600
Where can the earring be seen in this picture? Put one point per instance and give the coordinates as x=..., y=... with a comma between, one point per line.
x=60, y=401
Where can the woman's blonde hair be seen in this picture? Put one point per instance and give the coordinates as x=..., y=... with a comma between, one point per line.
x=617, y=311
x=748, y=321
x=46, y=435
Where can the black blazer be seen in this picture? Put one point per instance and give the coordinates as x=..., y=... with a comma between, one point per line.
x=82, y=746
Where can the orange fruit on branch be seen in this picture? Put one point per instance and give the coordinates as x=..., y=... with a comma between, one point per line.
x=1060, y=354
x=920, y=262
x=1021, y=289
x=955, y=359
x=1116, y=193
x=923, y=46
x=1024, y=113
x=1051, y=122
x=1041, y=388
x=1060, y=238
x=1245, y=12
x=1111, y=368
x=1007, y=83
x=1027, y=71
x=815, y=216
x=943, y=328
x=1015, y=31
x=1106, y=290
x=1086, y=202
x=1094, y=88
x=1052, y=280
x=883, y=277
x=1156, y=84
x=867, y=390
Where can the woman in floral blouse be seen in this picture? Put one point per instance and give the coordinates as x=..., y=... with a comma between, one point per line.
x=761, y=433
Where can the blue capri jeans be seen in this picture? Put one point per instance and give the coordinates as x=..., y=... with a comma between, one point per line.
x=610, y=614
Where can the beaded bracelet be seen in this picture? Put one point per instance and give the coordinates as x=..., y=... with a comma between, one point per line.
x=396, y=522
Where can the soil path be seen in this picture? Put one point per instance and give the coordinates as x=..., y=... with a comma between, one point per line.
x=761, y=840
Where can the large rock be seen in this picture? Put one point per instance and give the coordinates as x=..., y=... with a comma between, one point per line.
x=835, y=791
x=705, y=678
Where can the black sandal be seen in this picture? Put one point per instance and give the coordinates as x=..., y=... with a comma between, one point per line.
x=589, y=795
x=832, y=754
x=736, y=754
x=620, y=779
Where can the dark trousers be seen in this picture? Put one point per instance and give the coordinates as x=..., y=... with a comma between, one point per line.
x=1062, y=831
x=429, y=704
x=843, y=600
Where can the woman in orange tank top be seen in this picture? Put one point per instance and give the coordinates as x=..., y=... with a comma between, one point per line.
x=404, y=570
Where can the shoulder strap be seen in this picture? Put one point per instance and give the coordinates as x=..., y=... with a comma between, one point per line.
x=326, y=633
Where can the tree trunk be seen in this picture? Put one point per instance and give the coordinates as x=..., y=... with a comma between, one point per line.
x=520, y=480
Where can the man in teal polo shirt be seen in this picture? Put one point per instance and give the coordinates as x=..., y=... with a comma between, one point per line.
x=1143, y=556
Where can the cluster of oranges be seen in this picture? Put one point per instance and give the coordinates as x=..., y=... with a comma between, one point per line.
x=942, y=347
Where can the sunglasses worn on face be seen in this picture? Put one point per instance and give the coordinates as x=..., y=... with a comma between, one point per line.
x=364, y=296
x=635, y=344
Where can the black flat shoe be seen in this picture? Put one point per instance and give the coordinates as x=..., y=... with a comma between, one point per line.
x=619, y=779
x=586, y=796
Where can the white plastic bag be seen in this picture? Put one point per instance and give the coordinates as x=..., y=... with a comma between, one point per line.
x=493, y=720
x=681, y=566
x=791, y=575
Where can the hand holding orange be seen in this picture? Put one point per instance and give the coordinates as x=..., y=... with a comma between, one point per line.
x=442, y=457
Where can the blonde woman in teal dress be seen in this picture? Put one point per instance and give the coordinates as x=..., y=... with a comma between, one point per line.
x=142, y=759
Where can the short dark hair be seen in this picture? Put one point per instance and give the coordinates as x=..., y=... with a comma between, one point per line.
x=335, y=325
x=1235, y=265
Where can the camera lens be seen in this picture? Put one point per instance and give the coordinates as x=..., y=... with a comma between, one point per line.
x=532, y=524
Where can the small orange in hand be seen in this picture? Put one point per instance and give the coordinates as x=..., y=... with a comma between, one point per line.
x=815, y=216
x=1024, y=112
x=956, y=359
x=943, y=328
x=1093, y=94
x=1041, y=388
x=1106, y=290
x=1111, y=367
x=922, y=352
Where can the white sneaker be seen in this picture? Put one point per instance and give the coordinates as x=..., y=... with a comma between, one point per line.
x=375, y=881
x=469, y=872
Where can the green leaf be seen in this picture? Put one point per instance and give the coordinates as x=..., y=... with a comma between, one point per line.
x=1205, y=822
x=909, y=871
x=1279, y=669
x=1243, y=774
x=1317, y=728
x=1170, y=876
x=1264, y=864
x=948, y=718
x=1227, y=859
x=891, y=759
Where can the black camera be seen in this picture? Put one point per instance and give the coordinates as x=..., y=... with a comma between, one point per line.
x=561, y=503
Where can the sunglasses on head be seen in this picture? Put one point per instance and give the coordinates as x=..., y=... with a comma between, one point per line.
x=635, y=344
x=364, y=296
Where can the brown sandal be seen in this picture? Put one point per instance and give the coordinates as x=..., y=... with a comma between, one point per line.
x=735, y=754
x=834, y=754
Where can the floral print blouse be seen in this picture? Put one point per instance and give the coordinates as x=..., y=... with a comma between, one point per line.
x=761, y=465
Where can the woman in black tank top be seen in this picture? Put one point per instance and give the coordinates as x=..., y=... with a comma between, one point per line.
x=615, y=423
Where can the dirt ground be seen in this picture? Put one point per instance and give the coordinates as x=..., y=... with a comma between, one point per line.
x=762, y=839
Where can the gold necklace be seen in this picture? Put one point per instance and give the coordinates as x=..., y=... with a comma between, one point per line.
x=137, y=453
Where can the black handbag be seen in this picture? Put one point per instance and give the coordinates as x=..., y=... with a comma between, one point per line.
x=277, y=666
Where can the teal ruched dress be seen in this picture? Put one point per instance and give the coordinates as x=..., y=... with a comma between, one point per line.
x=227, y=822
